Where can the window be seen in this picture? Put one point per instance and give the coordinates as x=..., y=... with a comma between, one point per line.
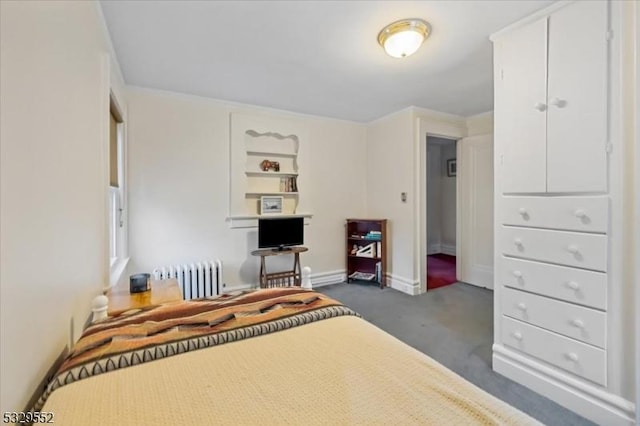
x=117, y=231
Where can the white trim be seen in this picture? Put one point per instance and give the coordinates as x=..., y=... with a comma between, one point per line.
x=251, y=221
x=225, y=288
x=434, y=249
x=431, y=114
x=426, y=126
x=636, y=243
x=328, y=278
x=403, y=284
x=596, y=404
x=449, y=249
x=107, y=36
x=117, y=271
x=480, y=115
x=531, y=18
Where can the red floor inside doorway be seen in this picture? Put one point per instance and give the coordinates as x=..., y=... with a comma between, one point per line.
x=441, y=270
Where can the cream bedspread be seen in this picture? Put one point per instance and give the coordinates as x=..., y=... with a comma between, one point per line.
x=339, y=371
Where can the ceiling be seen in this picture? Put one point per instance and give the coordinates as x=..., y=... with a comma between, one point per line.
x=313, y=57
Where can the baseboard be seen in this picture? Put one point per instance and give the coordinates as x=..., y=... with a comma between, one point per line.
x=226, y=288
x=441, y=248
x=448, y=249
x=589, y=401
x=328, y=278
x=404, y=285
x=434, y=249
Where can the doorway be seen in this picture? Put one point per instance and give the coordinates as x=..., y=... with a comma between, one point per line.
x=458, y=211
x=441, y=212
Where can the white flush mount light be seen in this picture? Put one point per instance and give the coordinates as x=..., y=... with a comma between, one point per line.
x=403, y=38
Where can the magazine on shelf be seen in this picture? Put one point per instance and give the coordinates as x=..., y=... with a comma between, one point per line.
x=365, y=276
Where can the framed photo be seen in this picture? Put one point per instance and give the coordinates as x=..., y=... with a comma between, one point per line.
x=271, y=204
x=451, y=168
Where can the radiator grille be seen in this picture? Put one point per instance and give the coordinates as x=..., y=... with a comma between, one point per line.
x=196, y=280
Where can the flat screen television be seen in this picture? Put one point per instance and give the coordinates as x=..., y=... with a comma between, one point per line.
x=280, y=232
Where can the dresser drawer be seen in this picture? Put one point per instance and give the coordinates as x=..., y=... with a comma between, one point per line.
x=578, y=322
x=587, y=214
x=587, y=288
x=578, y=358
x=587, y=251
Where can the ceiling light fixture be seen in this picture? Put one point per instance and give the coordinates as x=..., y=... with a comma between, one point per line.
x=403, y=38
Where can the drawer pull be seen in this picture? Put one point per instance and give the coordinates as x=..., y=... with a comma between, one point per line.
x=573, y=249
x=577, y=323
x=580, y=213
x=572, y=356
x=517, y=274
x=522, y=306
x=557, y=102
x=539, y=106
x=517, y=242
x=573, y=285
x=522, y=211
x=517, y=335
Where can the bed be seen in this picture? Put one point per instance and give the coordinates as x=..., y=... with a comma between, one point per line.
x=272, y=356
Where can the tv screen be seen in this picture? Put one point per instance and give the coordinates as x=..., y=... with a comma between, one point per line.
x=280, y=232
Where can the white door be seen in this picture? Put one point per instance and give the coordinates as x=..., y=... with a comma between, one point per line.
x=520, y=102
x=475, y=210
x=577, y=99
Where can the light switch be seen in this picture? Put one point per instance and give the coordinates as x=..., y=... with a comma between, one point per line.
x=403, y=197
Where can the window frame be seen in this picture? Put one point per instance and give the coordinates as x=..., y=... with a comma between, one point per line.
x=118, y=255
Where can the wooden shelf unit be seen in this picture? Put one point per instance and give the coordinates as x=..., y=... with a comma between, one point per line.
x=356, y=232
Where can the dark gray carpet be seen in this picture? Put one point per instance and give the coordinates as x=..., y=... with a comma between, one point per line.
x=453, y=325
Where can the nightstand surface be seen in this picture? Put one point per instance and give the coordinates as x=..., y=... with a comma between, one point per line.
x=162, y=291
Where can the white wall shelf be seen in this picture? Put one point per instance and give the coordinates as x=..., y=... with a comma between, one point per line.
x=252, y=194
x=254, y=139
x=272, y=153
x=270, y=174
x=251, y=221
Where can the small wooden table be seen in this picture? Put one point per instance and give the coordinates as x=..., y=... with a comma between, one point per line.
x=284, y=278
x=162, y=291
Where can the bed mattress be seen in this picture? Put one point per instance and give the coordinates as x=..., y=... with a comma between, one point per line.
x=336, y=371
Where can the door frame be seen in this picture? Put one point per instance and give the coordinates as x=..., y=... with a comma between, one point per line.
x=450, y=129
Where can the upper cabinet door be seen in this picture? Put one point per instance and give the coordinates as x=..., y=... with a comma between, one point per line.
x=521, y=95
x=577, y=98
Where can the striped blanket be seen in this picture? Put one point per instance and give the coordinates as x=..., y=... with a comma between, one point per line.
x=156, y=332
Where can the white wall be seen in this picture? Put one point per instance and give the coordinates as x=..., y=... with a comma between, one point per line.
x=441, y=197
x=434, y=198
x=179, y=187
x=448, y=201
x=390, y=161
x=480, y=124
x=54, y=79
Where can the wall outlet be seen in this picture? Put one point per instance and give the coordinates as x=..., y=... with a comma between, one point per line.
x=403, y=197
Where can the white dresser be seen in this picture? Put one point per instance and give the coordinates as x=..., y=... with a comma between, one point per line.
x=554, y=188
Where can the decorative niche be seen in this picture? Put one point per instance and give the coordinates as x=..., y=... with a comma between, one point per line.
x=268, y=159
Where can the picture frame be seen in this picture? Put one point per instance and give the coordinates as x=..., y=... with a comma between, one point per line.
x=452, y=168
x=271, y=204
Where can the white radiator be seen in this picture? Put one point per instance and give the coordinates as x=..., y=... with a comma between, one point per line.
x=196, y=280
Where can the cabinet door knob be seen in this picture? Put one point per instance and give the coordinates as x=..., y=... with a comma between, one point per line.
x=573, y=249
x=572, y=356
x=522, y=306
x=517, y=274
x=517, y=241
x=577, y=323
x=573, y=285
x=517, y=335
x=540, y=106
x=580, y=213
x=557, y=102
x=522, y=211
